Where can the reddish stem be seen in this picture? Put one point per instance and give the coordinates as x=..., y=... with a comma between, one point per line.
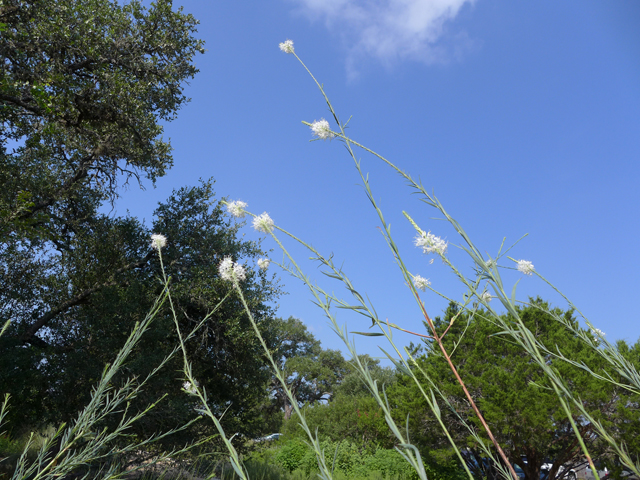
x=466, y=392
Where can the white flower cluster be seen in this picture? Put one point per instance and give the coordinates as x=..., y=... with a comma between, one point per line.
x=430, y=243
x=287, y=46
x=525, y=266
x=486, y=296
x=158, y=241
x=597, y=332
x=421, y=283
x=237, y=208
x=263, y=223
x=263, y=263
x=322, y=130
x=231, y=271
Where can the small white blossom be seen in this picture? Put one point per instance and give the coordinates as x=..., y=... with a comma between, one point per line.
x=287, y=46
x=236, y=208
x=158, y=241
x=430, y=243
x=226, y=269
x=486, y=296
x=421, y=283
x=263, y=223
x=189, y=388
x=322, y=129
x=239, y=272
x=231, y=271
x=263, y=263
x=596, y=332
x=525, y=266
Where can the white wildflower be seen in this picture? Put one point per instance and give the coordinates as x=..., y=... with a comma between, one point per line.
x=226, y=269
x=231, y=271
x=263, y=223
x=287, y=46
x=263, y=263
x=158, y=241
x=525, y=266
x=486, y=296
x=596, y=332
x=421, y=283
x=239, y=272
x=236, y=208
x=190, y=388
x=430, y=243
x=322, y=129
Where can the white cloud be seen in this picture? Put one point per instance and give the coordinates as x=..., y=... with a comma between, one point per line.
x=390, y=30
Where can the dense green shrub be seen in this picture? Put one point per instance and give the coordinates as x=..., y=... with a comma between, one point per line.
x=348, y=459
x=291, y=454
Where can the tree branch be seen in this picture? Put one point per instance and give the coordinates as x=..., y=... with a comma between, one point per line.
x=81, y=173
x=29, y=335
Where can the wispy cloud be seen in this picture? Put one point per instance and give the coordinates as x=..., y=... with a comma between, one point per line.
x=390, y=30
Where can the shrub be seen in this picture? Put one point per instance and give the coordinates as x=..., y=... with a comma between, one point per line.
x=291, y=454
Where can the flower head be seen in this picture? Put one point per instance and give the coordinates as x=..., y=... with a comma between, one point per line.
x=263, y=263
x=158, y=241
x=486, y=296
x=322, y=129
x=263, y=223
x=236, y=208
x=226, y=269
x=231, y=271
x=421, y=283
x=431, y=244
x=287, y=46
x=525, y=266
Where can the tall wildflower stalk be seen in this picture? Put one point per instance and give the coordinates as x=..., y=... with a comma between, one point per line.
x=487, y=284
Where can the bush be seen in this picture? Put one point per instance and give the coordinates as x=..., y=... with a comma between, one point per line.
x=347, y=459
x=291, y=454
x=387, y=463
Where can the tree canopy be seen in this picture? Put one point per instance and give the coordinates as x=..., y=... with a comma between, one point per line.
x=312, y=373
x=511, y=391
x=52, y=378
x=85, y=86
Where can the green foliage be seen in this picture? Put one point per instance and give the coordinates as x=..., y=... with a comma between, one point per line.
x=85, y=84
x=347, y=459
x=626, y=420
x=312, y=373
x=291, y=454
x=352, y=413
x=257, y=470
x=84, y=88
x=511, y=392
x=52, y=381
x=358, y=418
x=85, y=441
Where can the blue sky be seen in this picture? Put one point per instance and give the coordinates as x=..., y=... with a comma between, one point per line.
x=521, y=117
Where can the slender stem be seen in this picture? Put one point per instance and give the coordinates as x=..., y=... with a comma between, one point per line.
x=348, y=143
x=393, y=325
x=467, y=394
